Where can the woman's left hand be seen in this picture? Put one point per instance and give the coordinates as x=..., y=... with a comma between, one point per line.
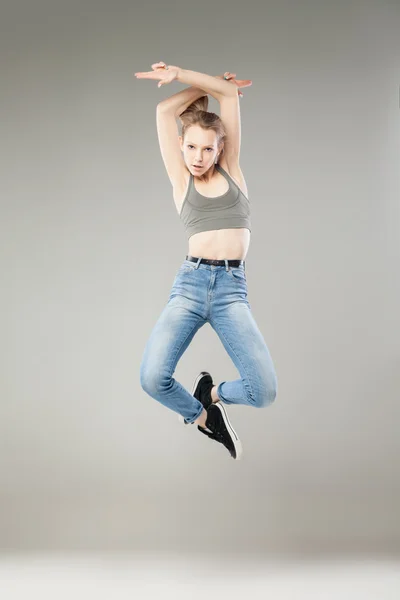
x=239, y=82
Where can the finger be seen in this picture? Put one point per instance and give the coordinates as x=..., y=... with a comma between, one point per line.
x=146, y=75
x=159, y=65
x=244, y=82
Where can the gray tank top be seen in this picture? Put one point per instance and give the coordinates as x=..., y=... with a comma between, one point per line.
x=201, y=213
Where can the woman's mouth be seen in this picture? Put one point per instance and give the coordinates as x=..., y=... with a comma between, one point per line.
x=197, y=166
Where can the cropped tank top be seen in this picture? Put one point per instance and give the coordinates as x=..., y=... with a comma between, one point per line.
x=228, y=211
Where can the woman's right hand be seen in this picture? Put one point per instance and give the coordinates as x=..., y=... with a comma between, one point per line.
x=162, y=65
x=161, y=72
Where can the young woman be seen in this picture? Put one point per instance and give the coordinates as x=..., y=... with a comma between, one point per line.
x=210, y=286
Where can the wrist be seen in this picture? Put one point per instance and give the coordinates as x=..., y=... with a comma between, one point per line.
x=179, y=73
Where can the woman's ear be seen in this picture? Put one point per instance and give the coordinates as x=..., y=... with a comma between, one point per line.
x=220, y=152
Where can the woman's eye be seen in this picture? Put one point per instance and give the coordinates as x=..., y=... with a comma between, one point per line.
x=211, y=149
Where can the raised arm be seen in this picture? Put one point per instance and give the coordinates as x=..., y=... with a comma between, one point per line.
x=177, y=103
x=168, y=134
x=216, y=87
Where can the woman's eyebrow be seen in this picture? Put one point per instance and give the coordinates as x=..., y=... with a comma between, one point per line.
x=193, y=144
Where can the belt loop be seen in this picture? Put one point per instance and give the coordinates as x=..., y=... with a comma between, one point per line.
x=226, y=264
x=198, y=262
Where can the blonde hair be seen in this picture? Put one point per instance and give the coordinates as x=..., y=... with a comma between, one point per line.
x=197, y=114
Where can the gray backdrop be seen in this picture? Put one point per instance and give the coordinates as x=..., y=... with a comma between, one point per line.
x=91, y=241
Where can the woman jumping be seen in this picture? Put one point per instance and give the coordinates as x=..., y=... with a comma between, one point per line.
x=210, y=286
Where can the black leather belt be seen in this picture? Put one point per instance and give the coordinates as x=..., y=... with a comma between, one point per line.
x=211, y=261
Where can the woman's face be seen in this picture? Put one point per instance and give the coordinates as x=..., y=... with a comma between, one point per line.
x=200, y=149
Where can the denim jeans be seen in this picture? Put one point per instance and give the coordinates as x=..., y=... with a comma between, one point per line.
x=216, y=295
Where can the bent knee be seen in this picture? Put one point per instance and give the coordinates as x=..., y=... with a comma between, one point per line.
x=152, y=381
x=265, y=397
x=149, y=380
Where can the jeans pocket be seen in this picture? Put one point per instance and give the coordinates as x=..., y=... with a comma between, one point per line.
x=238, y=274
x=185, y=269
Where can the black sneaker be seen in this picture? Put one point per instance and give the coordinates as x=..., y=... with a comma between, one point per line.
x=201, y=390
x=220, y=429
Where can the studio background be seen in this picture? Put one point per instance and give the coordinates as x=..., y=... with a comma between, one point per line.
x=91, y=242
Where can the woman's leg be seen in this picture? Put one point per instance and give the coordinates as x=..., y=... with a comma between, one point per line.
x=170, y=337
x=237, y=329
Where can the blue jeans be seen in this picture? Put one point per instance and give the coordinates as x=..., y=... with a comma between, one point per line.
x=216, y=295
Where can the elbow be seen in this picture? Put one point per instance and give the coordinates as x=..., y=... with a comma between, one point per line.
x=164, y=107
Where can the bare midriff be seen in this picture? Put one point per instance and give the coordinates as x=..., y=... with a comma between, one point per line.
x=220, y=243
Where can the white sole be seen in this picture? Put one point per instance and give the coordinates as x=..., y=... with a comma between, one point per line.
x=236, y=442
